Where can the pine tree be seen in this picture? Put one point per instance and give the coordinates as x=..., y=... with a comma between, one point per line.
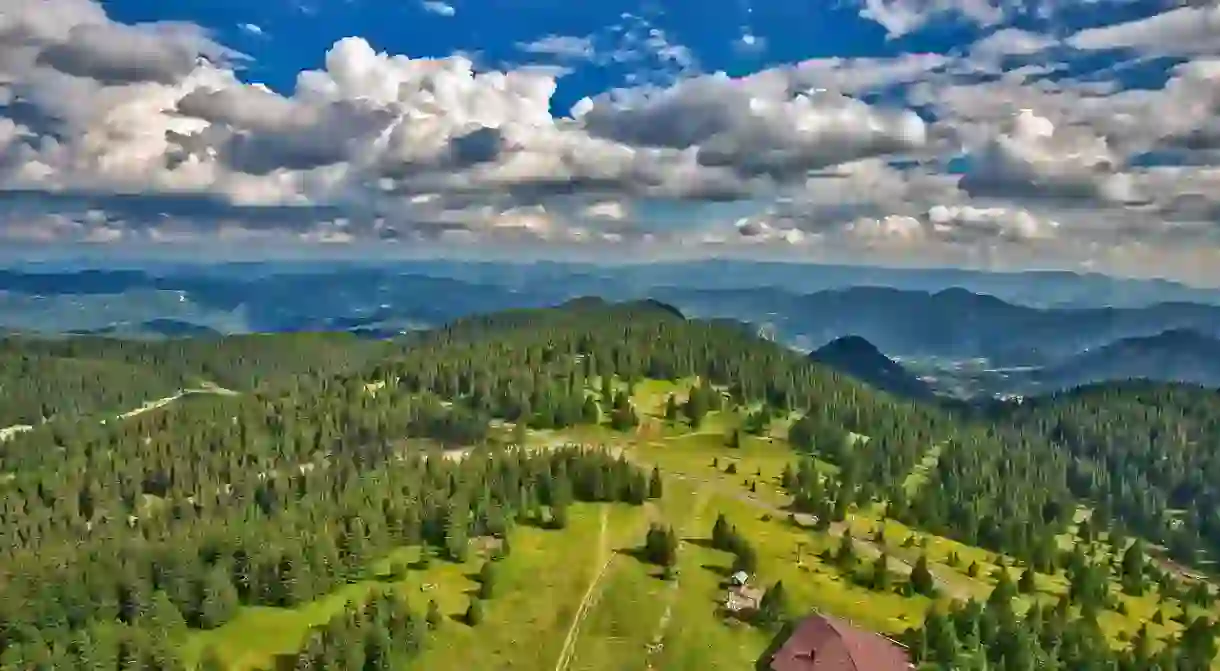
x=1003, y=593
x=721, y=534
x=1132, y=569
x=474, y=613
x=746, y=558
x=661, y=545
x=671, y=408
x=922, y=580
x=845, y=555
x=487, y=581
x=218, y=599
x=1027, y=584
x=773, y=607
x=696, y=407
x=163, y=617
x=589, y=412
x=655, y=485
x=881, y=573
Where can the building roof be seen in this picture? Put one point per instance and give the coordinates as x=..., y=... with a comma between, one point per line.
x=822, y=643
x=740, y=576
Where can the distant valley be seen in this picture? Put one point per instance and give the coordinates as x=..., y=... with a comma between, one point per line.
x=964, y=333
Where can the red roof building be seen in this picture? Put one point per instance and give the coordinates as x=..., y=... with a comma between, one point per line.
x=821, y=643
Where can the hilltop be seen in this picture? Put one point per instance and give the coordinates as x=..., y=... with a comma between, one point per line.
x=858, y=358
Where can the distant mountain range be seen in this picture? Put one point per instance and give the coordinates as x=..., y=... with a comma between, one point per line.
x=858, y=358
x=930, y=321
x=958, y=324
x=1178, y=355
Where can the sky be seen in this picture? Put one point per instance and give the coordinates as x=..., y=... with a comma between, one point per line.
x=1072, y=134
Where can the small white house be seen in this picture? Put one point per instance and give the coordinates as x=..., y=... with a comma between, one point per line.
x=739, y=578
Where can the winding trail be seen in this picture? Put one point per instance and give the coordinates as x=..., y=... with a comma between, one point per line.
x=148, y=406
x=605, y=556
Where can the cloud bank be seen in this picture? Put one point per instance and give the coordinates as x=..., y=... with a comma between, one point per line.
x=996, y=154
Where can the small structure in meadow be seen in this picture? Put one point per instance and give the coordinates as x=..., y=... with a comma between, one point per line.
x=742, y=600
x=739, y=579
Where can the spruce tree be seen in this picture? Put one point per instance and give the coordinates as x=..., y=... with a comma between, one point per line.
x=773, y=607
x=474, y=613
x=487, y=581
x=922, y=580
x=655, y=485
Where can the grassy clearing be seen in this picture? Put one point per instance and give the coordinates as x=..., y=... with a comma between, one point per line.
x=682, y=617
x=540, y=586
x=544, y=580
x=818, y=586
x=757, y=460
x=919, y=475
x=814, y=584
x=253, y=639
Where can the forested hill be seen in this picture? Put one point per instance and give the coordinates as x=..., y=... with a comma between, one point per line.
x=119, y=542
x=992, y=486
x=42, y=378
x=1145, y=453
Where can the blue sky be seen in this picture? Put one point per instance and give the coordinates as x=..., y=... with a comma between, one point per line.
x=997, y=133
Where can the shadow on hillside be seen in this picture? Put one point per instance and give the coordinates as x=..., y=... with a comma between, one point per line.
x=777, y=642
x=636, y=553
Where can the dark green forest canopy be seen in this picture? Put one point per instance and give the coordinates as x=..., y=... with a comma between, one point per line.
x=1144, y=455
x=263, y=498
x=48, y=377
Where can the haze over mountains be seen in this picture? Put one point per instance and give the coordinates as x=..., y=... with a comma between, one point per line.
x=1008, y=333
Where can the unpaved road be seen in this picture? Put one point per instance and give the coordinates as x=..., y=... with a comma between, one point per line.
x=658, y=637
x=148, y=406
x=605, y=556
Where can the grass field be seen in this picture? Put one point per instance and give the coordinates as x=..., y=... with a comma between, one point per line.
x=633, y=619
x=540, y=587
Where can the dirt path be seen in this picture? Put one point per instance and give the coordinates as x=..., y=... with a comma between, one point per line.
x=605, y=556
x=657, y=643
x=148, y=406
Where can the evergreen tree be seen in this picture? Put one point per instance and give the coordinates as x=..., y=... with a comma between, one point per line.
x=745, y=559
x=721, y=534
x=218, y=599
x=845, y=555
x=661, y=545
x=881, y=573
x=1027, y=583
x=671, y=408
x=655, y=485
x=487, y=581
x=1131, y=570
x=922, y=580
x=773, y=607
x=696, y=407
x=474, y=613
